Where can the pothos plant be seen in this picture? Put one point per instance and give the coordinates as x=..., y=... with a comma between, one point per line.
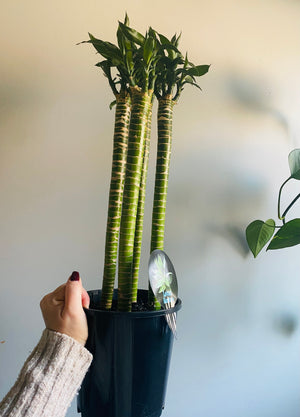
x=138, y=68
x=259, y=233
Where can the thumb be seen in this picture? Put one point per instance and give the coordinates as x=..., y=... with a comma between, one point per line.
x=73, y=293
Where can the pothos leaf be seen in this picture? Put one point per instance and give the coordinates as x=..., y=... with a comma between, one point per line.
x=258, y=234
x=288, y=235
x=294, y=163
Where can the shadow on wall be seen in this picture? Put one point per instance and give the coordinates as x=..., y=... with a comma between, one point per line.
x=254, y=94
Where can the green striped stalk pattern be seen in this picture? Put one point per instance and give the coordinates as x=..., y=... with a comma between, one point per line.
x=164, y=142
x=122, y=119
x=141, y=101
x=140, y=212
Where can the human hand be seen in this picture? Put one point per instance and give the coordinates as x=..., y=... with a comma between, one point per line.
x=63, y=309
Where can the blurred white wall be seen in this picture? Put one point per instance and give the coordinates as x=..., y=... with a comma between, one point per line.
x=238, y=347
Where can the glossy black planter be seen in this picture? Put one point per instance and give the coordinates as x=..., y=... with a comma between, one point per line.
x=129, y=372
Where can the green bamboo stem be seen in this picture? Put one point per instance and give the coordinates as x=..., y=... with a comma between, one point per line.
x=120, y=142
x=164, y=142
x=140, y=211
x=141, y=101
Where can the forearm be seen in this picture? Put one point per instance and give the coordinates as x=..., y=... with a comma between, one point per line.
x=49, y=378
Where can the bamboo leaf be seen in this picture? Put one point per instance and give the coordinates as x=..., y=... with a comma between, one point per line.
x=132, y=34
x=105, y=66
x=186, y=61
x=125, y=45
x=288, y=235
x=121, y=40
x=112, y=104
x=191, y=83
x=170, y=46
x=258, y=234
x=167, y=62
x=106, y=49
x=189, y=79
x=176, y=41
x=198, y=70
x=148, y=49
x=170, y=49
x=164, y=40
x=126, y=20
x=294, y=163
x=152, y=33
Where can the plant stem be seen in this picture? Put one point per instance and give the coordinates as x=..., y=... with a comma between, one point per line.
x=279, y=198
x=122, y=118
x=164, y=142
x=290, y=206
x=140, y=211
x=141, y=102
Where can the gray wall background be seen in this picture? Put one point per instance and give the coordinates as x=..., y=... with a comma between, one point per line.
x=238, y=347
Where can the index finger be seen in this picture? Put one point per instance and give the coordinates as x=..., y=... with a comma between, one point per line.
x=59, y=293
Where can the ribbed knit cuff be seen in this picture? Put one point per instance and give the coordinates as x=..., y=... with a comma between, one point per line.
x=49, y=379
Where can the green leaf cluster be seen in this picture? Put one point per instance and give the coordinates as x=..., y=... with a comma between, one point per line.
x=132, y=60
x=174, y=70
x=260, y=233
x=150, y=62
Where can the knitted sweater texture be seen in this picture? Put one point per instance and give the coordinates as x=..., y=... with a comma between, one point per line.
x=49, y=379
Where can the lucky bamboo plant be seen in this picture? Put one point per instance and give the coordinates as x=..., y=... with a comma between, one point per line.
x=259, y=233
x=138, y=69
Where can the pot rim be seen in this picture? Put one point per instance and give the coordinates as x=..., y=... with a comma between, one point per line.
x=134, y=314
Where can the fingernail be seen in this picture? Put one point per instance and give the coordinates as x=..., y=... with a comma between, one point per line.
x=74, y=276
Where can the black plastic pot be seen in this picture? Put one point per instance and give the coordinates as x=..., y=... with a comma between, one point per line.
x=129, y=372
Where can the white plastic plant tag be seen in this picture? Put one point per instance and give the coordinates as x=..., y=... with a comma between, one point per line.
x=163, y=282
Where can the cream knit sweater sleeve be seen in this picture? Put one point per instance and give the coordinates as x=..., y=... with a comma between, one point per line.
x=49, y=379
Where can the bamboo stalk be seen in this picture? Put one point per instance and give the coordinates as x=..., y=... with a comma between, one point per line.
x=164, y=143
x=120, y=143
x=141, y=102
x=140, y=211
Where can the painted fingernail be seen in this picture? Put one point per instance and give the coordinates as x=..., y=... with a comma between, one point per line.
x=74, y=276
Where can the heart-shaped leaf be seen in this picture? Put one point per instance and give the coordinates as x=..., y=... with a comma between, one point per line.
x=258, y=234
x=288, y=235
x=294, y=163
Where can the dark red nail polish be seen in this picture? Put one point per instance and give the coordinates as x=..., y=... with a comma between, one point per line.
x=74, y=276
